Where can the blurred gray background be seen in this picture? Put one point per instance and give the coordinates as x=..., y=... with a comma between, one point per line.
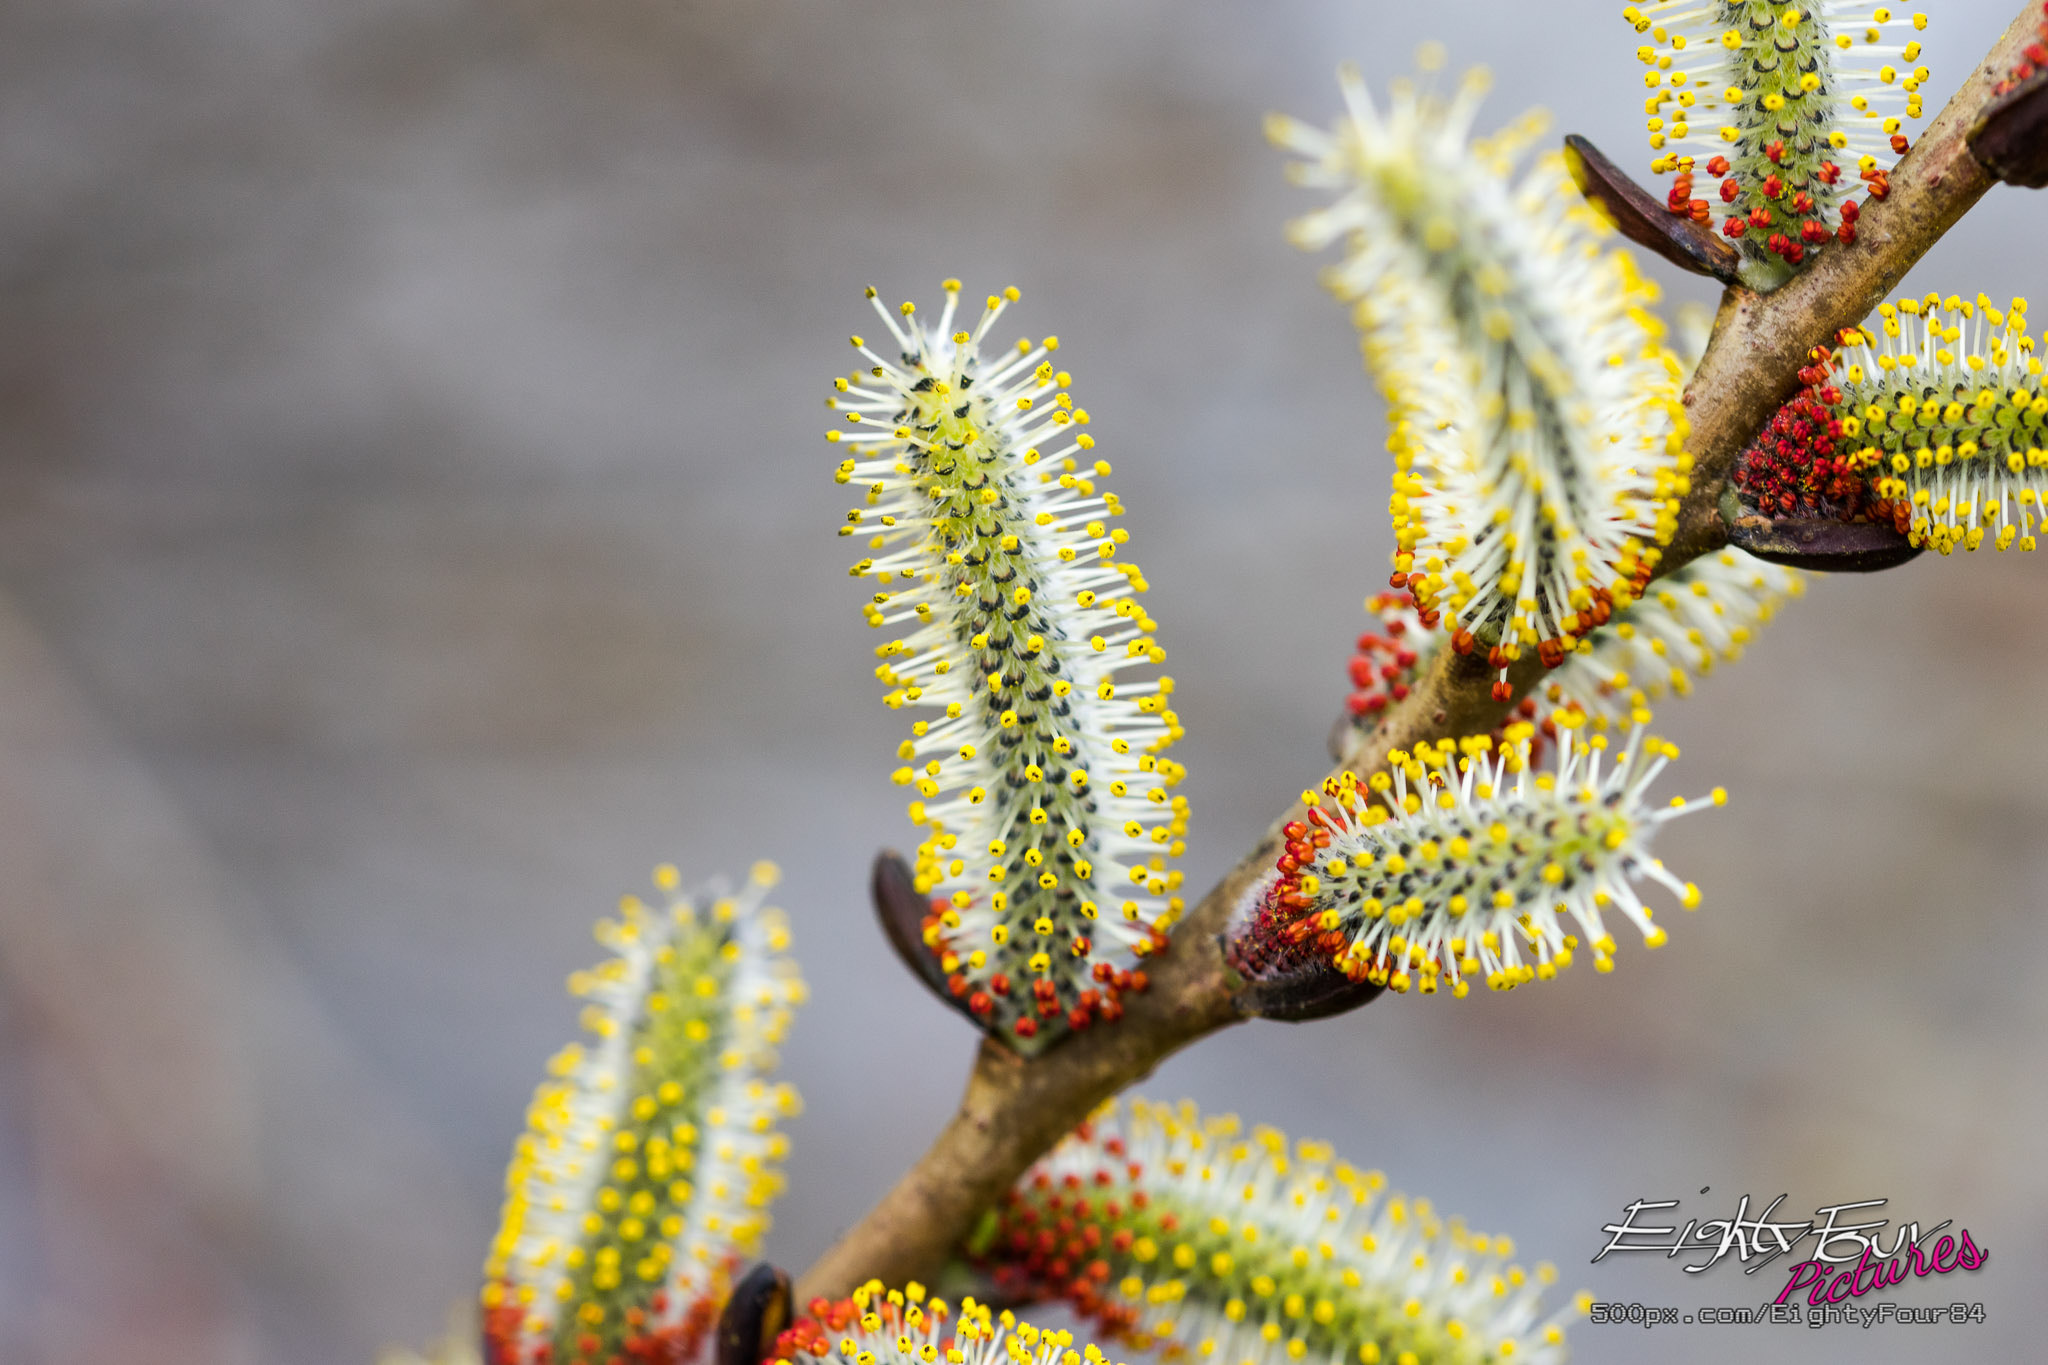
x=414, y=525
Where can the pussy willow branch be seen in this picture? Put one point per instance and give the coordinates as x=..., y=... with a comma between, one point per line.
x=1014, y=1110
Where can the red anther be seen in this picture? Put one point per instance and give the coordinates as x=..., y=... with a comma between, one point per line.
x=1430, y=618
x=1461, y=641
x=1497, y=657
x=1850, y=210
x=1103, y=972
x=1400, y=691
x=1718, y=166
x=1078, y=1019
x=1389, y=672
x=1000, y=983
x=1899, y=143
x=1551, y=652
x=957, y=984
x=1398, y=580
x=1699, y=212
x=1082, y=947
x=1775, y=150
x=1361, y=672
x=1729, y=189
x=1028, y=1028
x=1773, y=187
x=1759, y=216
x=1139, y=981
x=1829, y=172
x=1501, y=690
x=1813, y=230
x=1294, y=829
x=1375, y=704
x=980, y=1003
x=1735, y=226
x=1795, y=253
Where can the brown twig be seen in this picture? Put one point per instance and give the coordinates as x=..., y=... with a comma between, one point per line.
x=1014, y=1109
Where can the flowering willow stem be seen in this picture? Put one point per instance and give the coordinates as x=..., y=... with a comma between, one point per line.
x=1015, y=1110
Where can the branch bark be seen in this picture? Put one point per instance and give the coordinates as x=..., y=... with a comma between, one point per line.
x=1015, y=1110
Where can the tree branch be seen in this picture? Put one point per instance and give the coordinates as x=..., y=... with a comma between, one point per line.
x=1015, y=1109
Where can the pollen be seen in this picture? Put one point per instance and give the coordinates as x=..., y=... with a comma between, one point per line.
x=601, y=1239
x=1535, y=857
x=1531, y=471
x=1325, y=1263
x=1022, y=627
x=1787, y=102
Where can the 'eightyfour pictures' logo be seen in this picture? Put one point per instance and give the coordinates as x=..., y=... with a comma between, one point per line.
x=1847, y=1251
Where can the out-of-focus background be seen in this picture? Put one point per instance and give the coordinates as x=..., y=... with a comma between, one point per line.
x=414, y=525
